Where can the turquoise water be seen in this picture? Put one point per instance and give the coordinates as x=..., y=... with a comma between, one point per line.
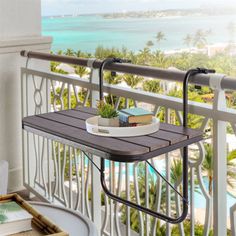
x=87, y=32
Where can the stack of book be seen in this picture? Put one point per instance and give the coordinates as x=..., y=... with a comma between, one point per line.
x=135, y=117
x=13, y=218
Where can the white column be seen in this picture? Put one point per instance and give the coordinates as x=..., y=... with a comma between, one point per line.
x=20, y=28
x=95, y=185
x=219, y=168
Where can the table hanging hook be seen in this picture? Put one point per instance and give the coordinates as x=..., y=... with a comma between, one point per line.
x=184, y=196
x=101, y=69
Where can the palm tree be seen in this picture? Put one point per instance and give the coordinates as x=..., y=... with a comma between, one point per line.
x=79, y=53
x=207, y=167
x=176, y=171
x=200, y=38
x=232, y=155
x=144, y=56
x=81, y=71
x=160, y=37
x=60, y=52
x=114, y=80
x=160, y=59
x=149, y=44
x=188, y=40
x=132, y=80
x=133, y=57
x=125, y=52
x=233, y=100
x=152, y=86
x=54, y=66
x=69, y=52
x=134, y=214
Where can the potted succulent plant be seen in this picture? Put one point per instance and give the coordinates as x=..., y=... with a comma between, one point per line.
x=108, y=116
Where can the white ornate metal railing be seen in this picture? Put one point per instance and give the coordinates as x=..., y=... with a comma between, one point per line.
x=59, y=173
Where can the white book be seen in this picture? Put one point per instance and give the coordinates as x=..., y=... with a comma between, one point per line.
x=13, y=219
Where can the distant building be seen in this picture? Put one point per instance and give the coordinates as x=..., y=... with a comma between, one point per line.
x=213, y=49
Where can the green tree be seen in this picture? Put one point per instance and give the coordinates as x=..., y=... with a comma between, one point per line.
x=54, y=68
x=81, y=71
x=113, y=79
x=200, y=38
x=198, y=228
x=152, y=86
x=149, y=44
x=144, y=56
x=232, y=155
x=160, y=60
x=160, y=37
x=79, y=53
x=188, y=40
x=207, y=167
x=69, y=52
x=60, y=52
x=134, y=214
x=176, y=171
x=132, y=80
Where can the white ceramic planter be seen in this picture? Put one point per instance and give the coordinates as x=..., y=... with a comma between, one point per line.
x=108, y=122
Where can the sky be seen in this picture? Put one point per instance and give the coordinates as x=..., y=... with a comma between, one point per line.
x=64, y=7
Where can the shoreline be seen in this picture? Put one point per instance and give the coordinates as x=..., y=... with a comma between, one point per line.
x=209, y=49
x=201, y=11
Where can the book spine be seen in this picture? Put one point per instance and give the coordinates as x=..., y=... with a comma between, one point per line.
x=124, y=124
x=123, y=117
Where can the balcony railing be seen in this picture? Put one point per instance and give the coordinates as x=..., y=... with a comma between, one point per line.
x=59, y=173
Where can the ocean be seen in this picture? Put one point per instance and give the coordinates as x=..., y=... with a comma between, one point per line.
x=86, y=32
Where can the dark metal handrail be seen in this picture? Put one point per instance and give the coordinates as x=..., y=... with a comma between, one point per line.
x=228, y=83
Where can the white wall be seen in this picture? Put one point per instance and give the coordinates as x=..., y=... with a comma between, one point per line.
x=20, y=18
x=20, y=29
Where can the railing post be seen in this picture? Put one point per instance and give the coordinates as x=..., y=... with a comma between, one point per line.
x=233, y=208
x=95, y=183
x=94, y=79
x=219, y=167
x=168, y=163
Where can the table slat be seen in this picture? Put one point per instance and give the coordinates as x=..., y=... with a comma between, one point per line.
x=66, y=120
x=109, y=145
x=70, y=125
x=172, y=138
x=191, y=133
x=151, y=142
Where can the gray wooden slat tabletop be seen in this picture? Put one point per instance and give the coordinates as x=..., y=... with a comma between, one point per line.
x=70, y=125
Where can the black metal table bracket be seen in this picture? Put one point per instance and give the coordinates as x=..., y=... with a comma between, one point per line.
x=184, y=196
x=69, y=127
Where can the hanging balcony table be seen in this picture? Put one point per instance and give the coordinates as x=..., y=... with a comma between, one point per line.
x=69, y=127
